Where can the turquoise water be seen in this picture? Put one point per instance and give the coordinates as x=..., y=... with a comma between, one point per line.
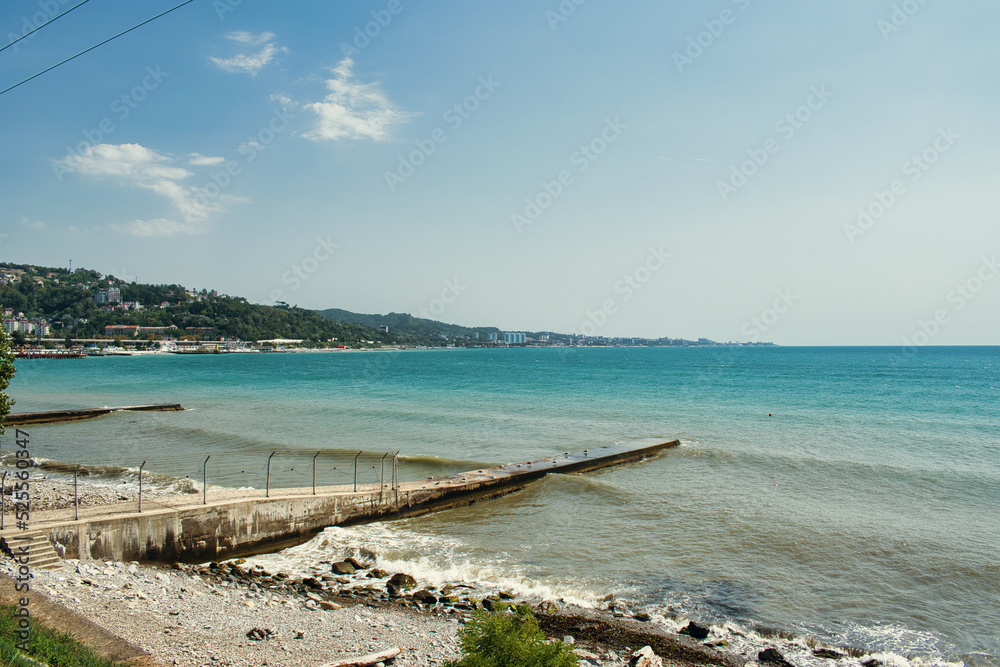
x=863, y=511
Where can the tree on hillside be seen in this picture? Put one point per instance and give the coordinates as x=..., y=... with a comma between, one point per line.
x=6, y=375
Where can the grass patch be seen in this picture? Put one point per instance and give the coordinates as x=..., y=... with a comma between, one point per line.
x=504, y=639
x=46, y=647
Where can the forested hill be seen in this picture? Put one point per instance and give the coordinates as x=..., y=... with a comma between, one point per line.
x=67, y=301
x=405, y=325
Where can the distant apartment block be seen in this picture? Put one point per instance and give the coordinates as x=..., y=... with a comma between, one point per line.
x=25, y=326
x=132, y=330
x=514, y=338
x=108, y=296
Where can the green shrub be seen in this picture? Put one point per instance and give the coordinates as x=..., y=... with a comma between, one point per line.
x=45, y=647
x=503, y=639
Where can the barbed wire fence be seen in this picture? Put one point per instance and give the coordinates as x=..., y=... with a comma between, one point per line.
x=63, y=492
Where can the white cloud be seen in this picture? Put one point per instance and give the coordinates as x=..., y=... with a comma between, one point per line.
x=155, y=227
x=137, y=166
x=249, y=38
x=250, y=62
x=196, y=160
x=32, y=224
x=353, y=110
x=284, y=100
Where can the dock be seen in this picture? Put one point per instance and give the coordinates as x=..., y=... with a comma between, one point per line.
x=190, y=529
x=49, y=355
x=52, y=416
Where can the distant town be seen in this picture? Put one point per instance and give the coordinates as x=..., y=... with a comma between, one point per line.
x=55, y=311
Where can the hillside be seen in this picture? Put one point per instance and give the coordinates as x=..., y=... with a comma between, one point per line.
x=68, y=304
x=55, y=303
x=406, y=327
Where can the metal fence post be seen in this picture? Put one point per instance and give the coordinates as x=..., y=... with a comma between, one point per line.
x=381, y=476
x=3, y=484
x=267, y=484
x=204, y=480
x=76, y=495
x=314, y=472
x=356, y=472
x=395, y=474
x=140, y=486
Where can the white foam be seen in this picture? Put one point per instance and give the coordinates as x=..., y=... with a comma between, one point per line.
x=433, y=560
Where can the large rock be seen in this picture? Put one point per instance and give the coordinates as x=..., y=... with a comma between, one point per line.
x=692, y=629
x=772, y=656
x=403, y=581
x=357, y=565
x=376, y=573
x=342, y=567
x=645, y=657
x=425, y=597
x=828, y=654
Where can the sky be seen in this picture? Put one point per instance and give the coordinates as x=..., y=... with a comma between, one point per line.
x=798, y=172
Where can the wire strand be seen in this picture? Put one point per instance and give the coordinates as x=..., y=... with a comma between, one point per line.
x=49, y=22
x=124, y=32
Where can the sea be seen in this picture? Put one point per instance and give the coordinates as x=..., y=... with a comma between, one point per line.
x=848, y=496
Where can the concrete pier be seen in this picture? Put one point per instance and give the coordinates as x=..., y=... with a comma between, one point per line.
x=180, y=530
x=51, y=416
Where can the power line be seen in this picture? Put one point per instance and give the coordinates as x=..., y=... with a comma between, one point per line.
x=49, y=22
x=124, y=32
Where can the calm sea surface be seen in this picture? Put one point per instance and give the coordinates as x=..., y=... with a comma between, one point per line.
x=865, y=511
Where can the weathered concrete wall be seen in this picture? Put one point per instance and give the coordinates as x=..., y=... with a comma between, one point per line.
x=227, y=529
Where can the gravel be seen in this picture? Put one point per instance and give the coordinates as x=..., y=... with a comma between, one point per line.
x=186, y=617
x=180, y=619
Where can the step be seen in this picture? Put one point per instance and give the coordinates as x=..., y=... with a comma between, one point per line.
x=41, y=554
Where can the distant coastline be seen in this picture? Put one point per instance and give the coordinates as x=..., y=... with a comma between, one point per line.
x=53, y=308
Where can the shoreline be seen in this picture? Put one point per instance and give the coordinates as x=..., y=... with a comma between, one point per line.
x=229, y=597
x=224, y=614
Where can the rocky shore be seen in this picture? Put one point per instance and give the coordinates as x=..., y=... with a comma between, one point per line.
x=227, y=614
x=235, y=613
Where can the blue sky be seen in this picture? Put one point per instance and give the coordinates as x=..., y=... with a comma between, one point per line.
x=807, y=173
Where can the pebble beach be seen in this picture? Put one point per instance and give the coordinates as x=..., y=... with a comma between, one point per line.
x=235, y=614
x=192, y=616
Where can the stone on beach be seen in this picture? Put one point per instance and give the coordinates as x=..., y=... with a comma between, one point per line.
x=645, y=657
x=425, y=597
x=403, y=581
x=692, y=629
x=773, y=656
x=342, y=567
x=828, y=654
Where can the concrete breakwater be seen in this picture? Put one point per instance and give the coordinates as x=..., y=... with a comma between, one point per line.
x=180, y=530
x=76, y=414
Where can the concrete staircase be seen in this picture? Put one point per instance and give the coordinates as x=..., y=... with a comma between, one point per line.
x=41, y=554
